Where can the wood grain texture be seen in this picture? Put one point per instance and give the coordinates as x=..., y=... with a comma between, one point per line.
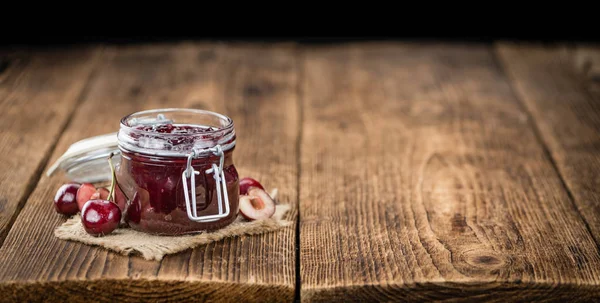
x=586, y=60
x=567, y=114
x=422, y=179
x=38, y=95
x=254, y=85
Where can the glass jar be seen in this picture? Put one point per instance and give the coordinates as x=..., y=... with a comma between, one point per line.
x=177, y=171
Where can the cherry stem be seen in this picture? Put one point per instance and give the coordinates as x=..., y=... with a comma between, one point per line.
x=111, y=193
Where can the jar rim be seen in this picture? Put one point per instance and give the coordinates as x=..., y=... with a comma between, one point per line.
x=223, y=135
x=228, y=126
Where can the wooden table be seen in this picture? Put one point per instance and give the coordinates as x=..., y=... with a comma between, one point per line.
x=417, y=171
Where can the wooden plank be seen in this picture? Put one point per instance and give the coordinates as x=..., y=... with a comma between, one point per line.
x=254, y=85
x=586, y=59
x=38, y=94
x=567, y=115
x=422, y=179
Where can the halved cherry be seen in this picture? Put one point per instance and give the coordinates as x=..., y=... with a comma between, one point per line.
x=103, y=193
x=247, y=183
x=257, y=204
x=84, y=194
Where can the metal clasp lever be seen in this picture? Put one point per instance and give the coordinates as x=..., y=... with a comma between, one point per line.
x=220, y=181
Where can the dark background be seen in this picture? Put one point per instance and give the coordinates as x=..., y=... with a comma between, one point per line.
x=540, y=36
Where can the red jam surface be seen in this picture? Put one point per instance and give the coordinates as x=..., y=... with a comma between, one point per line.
x=154, y=187
x=175, y=129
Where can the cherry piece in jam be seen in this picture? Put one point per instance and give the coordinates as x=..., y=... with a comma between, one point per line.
x=134, y=212
x=184, y=130
x=175, y=129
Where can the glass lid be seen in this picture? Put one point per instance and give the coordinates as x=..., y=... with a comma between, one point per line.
x=87, y=160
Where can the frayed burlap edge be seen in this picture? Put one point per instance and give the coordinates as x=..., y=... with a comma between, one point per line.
x=127, y=241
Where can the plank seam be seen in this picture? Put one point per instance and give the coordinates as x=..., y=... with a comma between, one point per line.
x=37, y=175
x=540, y=138
x=300, y=102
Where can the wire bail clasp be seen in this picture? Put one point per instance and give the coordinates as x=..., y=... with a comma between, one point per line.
x=218, y=175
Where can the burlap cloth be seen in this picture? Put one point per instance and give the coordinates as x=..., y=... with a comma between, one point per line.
x=127, y=241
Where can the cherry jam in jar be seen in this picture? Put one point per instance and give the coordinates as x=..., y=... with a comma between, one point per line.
x=177, y=171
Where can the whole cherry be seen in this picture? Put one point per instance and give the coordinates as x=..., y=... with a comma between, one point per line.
x=65, y=199
x=101, y=215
